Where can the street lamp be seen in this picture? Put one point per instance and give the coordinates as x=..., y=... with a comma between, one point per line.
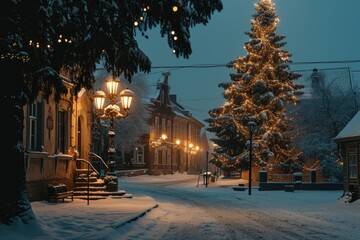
x=112, y=112
x=251, y=127
x=163, y=137
x=188, y=152
x=168, y=144
x=160, y=141
x=176, y=145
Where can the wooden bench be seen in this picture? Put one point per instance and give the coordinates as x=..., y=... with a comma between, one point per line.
x=59, y=191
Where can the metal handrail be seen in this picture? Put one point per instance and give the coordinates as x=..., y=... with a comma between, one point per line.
x=102, y=160
x=89, y=164
x=88, y=176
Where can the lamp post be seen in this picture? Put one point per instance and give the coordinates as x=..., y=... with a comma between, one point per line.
x=251, y=127
x=112, y=112
x=188, y=152
x=206, y=168
x=177, y=153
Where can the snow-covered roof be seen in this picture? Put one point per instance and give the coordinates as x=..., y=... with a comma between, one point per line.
x=351, y=130
x=180, y=113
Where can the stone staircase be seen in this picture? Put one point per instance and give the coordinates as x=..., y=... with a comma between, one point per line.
x=88, y=185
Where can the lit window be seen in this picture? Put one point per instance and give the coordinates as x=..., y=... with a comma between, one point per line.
x=352, y=165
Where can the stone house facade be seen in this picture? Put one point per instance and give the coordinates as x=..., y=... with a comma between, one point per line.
x=54, y=136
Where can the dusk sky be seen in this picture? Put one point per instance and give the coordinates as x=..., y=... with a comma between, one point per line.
x=315, y=30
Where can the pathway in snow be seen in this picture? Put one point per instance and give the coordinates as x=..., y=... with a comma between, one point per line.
x=217, y=212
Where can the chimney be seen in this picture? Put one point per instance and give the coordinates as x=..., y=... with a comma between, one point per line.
x=173, y=98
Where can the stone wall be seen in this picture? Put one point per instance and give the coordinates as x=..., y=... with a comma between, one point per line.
x=42, y=170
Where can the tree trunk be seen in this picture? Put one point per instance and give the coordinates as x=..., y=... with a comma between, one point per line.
x=14, y=200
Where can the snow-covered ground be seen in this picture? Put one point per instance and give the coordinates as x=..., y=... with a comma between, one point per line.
x=312, y=212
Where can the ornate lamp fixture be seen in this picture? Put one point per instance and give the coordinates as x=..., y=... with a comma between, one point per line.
x=112, y=111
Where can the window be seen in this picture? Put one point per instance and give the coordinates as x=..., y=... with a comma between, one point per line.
x=156, y=160
x=168, y=127
x=79, y=144
x=32, y=126
x=168, y=156
x=140, y=155
x=156, y=126
x=163, y=125
x=62, y=131
x=352, y=165
x=189, y=131
x=176, y=130
x=35, y=129
x=160, y=156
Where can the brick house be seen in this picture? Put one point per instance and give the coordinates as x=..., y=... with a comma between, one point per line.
x=174, y=141
x=348, y=141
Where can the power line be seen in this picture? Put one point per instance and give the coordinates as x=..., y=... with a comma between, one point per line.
x=224, y=65
x=327, y=62
x=218, y=65
x=191, y=66
x=200, y=99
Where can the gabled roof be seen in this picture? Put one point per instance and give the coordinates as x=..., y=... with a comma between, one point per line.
x=163, y=99
x=351, y=130
x=180, y=111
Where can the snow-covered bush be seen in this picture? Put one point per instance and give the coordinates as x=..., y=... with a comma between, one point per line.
x=348, y=197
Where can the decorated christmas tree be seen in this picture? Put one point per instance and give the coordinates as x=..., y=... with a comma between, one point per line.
x=261, y=91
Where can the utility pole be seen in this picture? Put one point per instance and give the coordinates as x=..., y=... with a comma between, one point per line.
x=207, y=166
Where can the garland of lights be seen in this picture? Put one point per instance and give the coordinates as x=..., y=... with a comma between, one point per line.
x=24, y=58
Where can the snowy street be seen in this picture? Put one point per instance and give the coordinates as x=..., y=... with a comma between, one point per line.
x=217, y=212
x=170, y=207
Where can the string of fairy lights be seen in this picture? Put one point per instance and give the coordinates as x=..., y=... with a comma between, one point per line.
x=68, y=40
x=24, y=57
x=174, y=9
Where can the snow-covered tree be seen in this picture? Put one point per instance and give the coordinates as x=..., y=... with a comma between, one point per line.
x=39, y=38
x=329, y=106
x=260, y=91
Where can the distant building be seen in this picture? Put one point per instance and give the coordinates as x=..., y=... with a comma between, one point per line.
x=348, y=141
x=328, y=103
x=174, y=143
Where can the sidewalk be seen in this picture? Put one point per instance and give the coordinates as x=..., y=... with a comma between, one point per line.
x=77, y=220
x=101, y=219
